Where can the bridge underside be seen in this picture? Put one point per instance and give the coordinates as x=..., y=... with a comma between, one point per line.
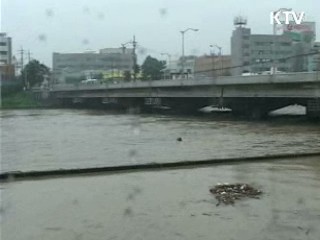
x=253, y=107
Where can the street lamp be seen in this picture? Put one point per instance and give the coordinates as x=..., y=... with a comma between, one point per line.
x=220, y=56
x=168, y=65
x=212, y=54
x=182, y=34
x=274, y=39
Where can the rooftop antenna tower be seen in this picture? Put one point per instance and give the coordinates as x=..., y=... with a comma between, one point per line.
x=240, y=21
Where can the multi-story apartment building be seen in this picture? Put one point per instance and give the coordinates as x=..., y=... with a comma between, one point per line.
x=314, y=59
x=7, y=71
x=5, y=49
x=258, y=53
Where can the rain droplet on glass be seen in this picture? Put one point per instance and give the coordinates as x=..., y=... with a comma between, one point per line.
x=42, y=37
x=49, y=12
x=163, y=12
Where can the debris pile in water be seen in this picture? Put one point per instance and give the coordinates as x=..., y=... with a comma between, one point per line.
x=228, y=193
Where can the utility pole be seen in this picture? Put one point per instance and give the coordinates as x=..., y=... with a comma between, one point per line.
x=212, y=54
x=220, y=58
x=168, y=65
x=213, y=65
x=134, y=44
x=29, y=56
x=134, y=56
x=21, y=51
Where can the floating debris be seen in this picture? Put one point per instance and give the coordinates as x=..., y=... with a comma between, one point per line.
x=228, y=193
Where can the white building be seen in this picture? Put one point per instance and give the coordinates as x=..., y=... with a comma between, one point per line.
x=5, y=49
x=314, y=60
x=176, y=70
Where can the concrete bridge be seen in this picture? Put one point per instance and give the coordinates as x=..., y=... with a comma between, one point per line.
x=253, y=95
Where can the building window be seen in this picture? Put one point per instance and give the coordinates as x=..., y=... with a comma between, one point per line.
x=3, y=52
x=3, y=44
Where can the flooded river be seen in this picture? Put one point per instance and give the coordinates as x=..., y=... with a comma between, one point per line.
x=55, y=139
x=168, y=204
x=174, y=204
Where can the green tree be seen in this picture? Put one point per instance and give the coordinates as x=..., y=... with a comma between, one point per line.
x=127, y=76
x=136, y=70
x=33, y=73
x=151, y=68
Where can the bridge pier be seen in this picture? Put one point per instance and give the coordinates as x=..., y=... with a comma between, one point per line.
x=313, y=108
x=253, y=108
x=186, y=105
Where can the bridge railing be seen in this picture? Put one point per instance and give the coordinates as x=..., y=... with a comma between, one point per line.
x=219, y=81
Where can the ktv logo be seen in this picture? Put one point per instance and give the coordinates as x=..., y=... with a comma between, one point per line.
x=288, y=15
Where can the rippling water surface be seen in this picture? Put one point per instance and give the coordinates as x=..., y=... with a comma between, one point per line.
x=54, y=139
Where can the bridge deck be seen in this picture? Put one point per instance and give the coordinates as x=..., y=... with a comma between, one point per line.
x=292, y=78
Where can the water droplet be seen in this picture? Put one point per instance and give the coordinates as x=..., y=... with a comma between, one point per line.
x=137, y=190
x=163, y=12
x=142, y=51
x=86, y=10
x=42, y=37
x=128, y=212
x=132, y=153
x=85, y=42
x=101, y=16
x=194, y=51
x=49, y=12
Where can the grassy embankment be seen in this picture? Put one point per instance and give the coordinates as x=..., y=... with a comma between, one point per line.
x=19, y=100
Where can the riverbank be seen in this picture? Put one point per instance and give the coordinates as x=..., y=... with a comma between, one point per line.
x=20, y=100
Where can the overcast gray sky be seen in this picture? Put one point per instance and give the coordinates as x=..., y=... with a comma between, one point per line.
x=46, y=26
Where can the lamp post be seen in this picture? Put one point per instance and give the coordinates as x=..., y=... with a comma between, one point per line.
x=168, y=65
x=134, y=55
x=212, y=54
x=220, y=56
x=182, y=34
x=274, y=39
